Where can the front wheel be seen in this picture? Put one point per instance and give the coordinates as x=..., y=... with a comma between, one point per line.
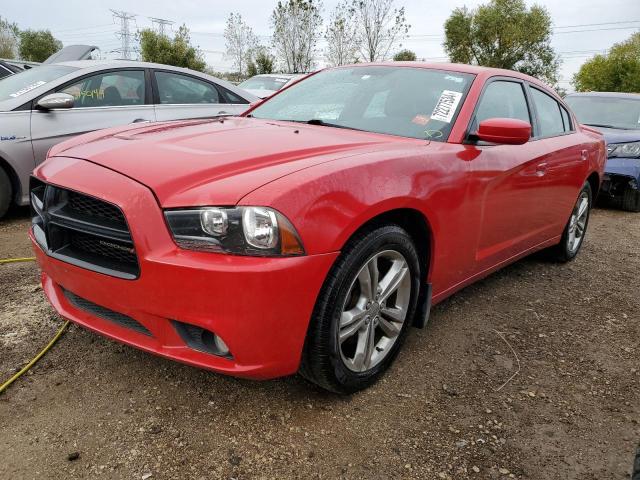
x=363, y=311
x=5, y=192
x=576, y=228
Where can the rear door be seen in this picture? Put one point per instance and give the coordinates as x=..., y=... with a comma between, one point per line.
x=105, y=99
x=181, y=96
x=565, y=158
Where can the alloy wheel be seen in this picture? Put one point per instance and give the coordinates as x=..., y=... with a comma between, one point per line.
x=578, y=222
x=374, y=311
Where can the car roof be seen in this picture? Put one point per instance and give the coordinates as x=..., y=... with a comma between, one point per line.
x=606, y=94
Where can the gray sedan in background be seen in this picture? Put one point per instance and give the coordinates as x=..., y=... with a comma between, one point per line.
x=47, y=104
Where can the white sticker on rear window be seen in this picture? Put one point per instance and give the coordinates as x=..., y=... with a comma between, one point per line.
x=28, y=88
x=446, y=106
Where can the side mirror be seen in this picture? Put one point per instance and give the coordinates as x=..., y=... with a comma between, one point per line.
x=55, y=101
x=507, y=131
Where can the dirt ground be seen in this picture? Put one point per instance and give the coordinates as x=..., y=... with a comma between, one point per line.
x=94, y=408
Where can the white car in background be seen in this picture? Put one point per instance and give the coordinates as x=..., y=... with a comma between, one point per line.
x=267, y=84
x=50, y=103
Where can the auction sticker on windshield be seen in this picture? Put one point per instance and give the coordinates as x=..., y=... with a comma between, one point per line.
x=28, y=88
x=446, y=106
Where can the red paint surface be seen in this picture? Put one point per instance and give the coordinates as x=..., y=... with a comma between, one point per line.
x=485, y=207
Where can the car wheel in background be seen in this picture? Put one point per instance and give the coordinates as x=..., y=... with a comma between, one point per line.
x=631, y=200
x=5, y=192
x=576, y=228
x=363, y=312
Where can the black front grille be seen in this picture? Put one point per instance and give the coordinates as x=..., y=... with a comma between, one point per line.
x=82, y=230
x=93, y=207
x=104, y=313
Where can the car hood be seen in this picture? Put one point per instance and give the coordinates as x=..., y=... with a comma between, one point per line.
x=204, y=162
x=616, y=135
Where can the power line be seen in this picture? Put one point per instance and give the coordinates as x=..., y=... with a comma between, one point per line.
x=125, y=32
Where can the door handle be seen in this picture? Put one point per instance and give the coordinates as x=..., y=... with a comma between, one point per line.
x=541, y=169
x=584, y=155
x=222, y=112
x=139, y=120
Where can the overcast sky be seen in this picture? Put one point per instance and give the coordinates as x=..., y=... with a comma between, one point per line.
x=581, y=27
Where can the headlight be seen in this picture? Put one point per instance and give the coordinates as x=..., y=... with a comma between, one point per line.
x=259, y=231
x=631, y=150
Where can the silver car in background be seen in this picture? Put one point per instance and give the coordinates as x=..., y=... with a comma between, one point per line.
x=47, y=104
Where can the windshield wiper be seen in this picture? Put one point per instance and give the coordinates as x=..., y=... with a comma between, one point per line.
x=604, y=125
x=322, y=123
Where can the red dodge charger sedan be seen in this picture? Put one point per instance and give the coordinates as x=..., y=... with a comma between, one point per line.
x=309, y=234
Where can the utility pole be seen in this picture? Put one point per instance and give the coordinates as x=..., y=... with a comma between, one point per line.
x=125, y=33
x=160, y=24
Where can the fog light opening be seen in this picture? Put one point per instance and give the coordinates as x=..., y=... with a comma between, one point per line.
x=214, y=343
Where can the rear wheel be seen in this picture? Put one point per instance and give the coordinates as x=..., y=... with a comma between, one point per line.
x=576, y=228
x=5, y=192
x=631, y=200
x=363, y=312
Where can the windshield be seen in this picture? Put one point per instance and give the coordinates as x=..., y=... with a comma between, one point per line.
x=612, y=112
x=21, y=83
x=265, y=83
x=409, y=102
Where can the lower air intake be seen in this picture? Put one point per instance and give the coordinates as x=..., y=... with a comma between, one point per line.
x=104, y=313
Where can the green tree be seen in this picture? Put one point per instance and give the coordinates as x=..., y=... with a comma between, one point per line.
x=405, y=56
x=617, y=71
x=177, y=51
x=37, y=45
x=503, y=34
x=260, y=61
x=9, y=35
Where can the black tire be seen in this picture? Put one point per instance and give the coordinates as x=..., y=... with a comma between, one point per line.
x=322, y=361
x=562, y=252
x=5, y=192
x=631, y=200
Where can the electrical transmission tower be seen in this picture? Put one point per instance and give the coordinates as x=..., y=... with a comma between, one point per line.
x=160, y=24
x=125, y=34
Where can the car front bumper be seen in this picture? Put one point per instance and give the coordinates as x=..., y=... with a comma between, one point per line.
x=260, y=307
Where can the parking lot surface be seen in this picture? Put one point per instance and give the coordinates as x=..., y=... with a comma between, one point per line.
x=94, y=408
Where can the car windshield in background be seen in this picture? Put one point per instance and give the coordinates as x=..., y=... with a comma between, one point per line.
x=610, y=112
x=409, y=102
x=265, y=83
x=21, y=83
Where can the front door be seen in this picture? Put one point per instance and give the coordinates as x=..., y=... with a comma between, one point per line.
x=102, y=100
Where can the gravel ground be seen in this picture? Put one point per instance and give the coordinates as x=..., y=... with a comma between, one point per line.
x=446, y=410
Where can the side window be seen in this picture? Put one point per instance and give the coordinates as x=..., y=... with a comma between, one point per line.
x=566, y=119
x=110, y=89
x=232, y=97
x=174, y=88
x=549, y=116
x=502, y=99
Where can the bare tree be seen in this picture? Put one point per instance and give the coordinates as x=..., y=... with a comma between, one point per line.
x=239, y=42
x=380, y=26
x=8, y=39
x=341, y=36
x=296, y=31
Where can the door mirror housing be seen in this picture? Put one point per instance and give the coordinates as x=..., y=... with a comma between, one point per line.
x=55, y=101
x=508, y=131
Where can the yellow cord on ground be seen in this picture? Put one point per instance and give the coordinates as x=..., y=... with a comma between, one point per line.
x=6, y=384
x=13, y=260
x=26, y=368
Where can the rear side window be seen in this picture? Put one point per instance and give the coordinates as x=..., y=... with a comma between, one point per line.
x=502, y=99
x=549, y=115
x=110, y=89
x=174, y=88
